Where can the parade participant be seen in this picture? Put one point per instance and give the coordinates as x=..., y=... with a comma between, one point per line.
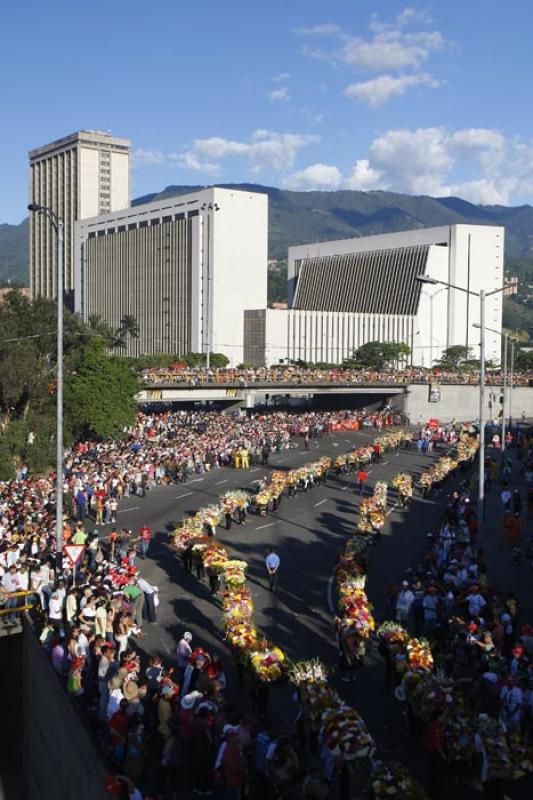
x=404, y=602
x=272, y=562
x=145, y=535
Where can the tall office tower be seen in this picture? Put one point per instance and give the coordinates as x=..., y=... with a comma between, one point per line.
x=79, y=176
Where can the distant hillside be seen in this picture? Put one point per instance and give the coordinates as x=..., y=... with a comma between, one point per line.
x=14, y=253
x=299, y=217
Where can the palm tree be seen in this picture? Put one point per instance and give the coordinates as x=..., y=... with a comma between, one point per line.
x=128, y=327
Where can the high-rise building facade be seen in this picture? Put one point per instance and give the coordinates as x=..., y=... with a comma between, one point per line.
x=345, y=293
x=79, y=176
x=185, y=268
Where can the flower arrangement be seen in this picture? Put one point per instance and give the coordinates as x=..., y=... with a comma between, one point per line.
x=215, y=556
x=419, y=654
x=403, y=483
x=267, y=661
x=393, y=780
x=235, y=572
x=345, y=734
x=308, y=672
x=243, y=635
x=238, y=498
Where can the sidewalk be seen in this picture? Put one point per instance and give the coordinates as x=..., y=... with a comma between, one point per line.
x=506, y=575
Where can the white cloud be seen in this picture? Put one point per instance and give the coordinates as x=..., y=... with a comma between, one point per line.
x=377, y=91
x=315, y=176
x=190, y=160
x=279, y=95
x=392, y=49
x=265, y=149
x=282, y=77
x=327, y=29
x=364, y=178
x=142, y=157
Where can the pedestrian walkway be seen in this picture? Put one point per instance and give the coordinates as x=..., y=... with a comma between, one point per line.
x=507, y=570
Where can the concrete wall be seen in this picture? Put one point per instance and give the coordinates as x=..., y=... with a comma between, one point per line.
x=61, y=760
x=462, y=403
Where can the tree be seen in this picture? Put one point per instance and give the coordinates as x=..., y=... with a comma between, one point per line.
x=128, y=328
x=454, y=357
x=100, y=395
x=378, y=355
x=216, y=360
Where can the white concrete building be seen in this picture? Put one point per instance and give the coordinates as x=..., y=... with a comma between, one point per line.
x=81, y=175
x=348, y=292
x=186, y=268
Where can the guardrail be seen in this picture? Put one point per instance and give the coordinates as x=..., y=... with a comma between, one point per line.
x=6, y=596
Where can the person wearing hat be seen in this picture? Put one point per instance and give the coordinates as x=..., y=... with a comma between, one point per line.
x=164, y=711
x=115, y=695
x=184, y=652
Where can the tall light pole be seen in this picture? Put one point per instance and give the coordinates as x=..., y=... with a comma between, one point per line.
x=208, y=209
x=506, y=409
x=482, y=294
x=57, y=223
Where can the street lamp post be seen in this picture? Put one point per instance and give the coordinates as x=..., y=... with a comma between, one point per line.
x=482, y=294
x=57, y=223
x=506, y=409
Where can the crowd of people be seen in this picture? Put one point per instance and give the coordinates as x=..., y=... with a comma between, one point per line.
x=249, y=376
x=93, y=615
x=471, y=697
x=173, y=717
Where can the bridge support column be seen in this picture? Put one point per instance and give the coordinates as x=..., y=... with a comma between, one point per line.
x=249, y=400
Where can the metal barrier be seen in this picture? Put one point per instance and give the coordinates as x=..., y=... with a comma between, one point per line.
x=5, y=596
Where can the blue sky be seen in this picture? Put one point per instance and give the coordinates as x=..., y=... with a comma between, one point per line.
x=425, y=98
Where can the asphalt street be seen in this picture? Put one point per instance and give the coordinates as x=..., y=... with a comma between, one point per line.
x=308, y=532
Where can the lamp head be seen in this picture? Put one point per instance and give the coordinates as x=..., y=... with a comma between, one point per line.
x=427, y=279
x=34, y=207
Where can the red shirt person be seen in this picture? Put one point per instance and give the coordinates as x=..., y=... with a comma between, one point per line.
x=145, y=535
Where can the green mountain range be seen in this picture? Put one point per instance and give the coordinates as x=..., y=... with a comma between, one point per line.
x=299, y=217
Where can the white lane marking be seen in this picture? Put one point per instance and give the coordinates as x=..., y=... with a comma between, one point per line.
x=260, y=527
x=178, y=496
x=330, y=595
x=348, y=440
x=125, y=510
x=320, y=503
x=344, y=488
x=256, y=469
x=196, y=480
x=219, y=482
x=384, y=463
x=389, y=512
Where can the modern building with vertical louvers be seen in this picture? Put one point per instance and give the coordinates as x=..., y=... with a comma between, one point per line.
x=78, y=176
x=345, y=293
x=186, y=268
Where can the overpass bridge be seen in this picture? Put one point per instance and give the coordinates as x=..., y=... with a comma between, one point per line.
x=421, y=401
x=247, y=395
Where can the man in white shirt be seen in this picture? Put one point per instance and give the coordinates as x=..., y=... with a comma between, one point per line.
x=272, y=562
x=476, y=602
x=11, y=583
x=404, y=601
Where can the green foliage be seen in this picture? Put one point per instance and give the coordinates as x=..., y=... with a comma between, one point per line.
x=100, y=395
x=216, y=360
x=516, y=316
x=277, y=283
x=524, y=359
x=378, y=355
x=455, y=357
